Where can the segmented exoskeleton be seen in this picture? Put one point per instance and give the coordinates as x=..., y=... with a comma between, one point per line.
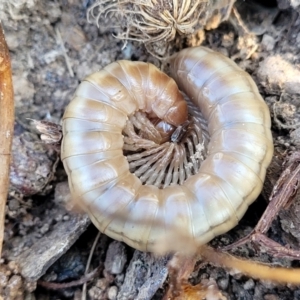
x=123, y=121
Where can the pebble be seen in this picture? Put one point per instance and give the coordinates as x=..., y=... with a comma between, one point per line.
x=276, y=73
x=116, y=258
x=249, y=284
x=223, y=283
x=268, y=42
x=112, y=293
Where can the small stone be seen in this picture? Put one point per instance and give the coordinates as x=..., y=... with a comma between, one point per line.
x=66, y=218
x=62, y=193
x=95, y=293
x=276, y=73
x=28, y=220
x=112, y=293
x=58, y=218
x=268, y=42
x=12, y=42
x=249, y=284
x=13, y=204
x=102, y=284
x=223, y=283
x=14, y=286
x=116, y=258
x=14, y=267
x=51, y=56
x=44, y=228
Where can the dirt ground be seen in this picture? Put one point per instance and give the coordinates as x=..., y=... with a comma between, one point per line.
x=53, y=48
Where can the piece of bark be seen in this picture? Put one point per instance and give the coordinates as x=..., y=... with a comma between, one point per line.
x=35, y=261
x=145, y=275
x=33, y=165
x=6, y=126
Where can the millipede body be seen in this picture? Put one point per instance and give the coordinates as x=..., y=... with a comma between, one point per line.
x=151, y=168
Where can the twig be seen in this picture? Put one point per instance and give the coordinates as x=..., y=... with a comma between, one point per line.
x=6, y=126
x=83, y=297
x=51, y=133
x=240, y=21
x=61, y=42
x=282, y=196
x=58, y=286
x=252, y=269
x=181, y=266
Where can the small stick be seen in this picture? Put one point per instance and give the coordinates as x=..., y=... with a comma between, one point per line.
x=282, y=196
x=61, y=43
x=254, y=269
x=82, y=280
x=181, y=266
x=83, y=296
x=6, y=126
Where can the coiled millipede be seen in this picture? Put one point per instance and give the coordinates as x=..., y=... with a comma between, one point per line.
x=133, y=148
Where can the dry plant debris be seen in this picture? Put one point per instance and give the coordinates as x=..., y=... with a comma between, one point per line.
x=35, y=261
x=56, y=286
x=6, y=126
x=151, y=20
x=51, y=133
x=251, y=268
x=282, y=196
x=180, y=268
x=50, y=80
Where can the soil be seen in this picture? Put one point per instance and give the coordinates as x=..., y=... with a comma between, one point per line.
x=53, y=48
